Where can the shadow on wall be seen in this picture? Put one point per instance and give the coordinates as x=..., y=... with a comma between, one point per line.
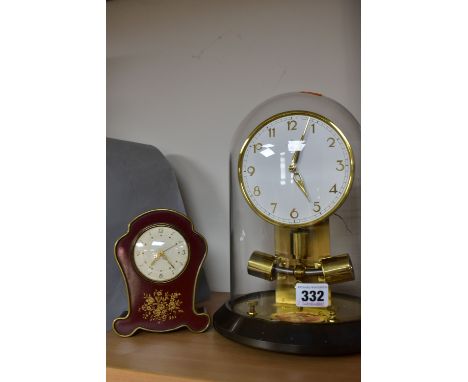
x=209, y=215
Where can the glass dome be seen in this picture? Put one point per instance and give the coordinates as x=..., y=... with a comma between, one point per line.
x=294, y=226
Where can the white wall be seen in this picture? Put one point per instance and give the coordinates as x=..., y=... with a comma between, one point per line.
x=181, y=76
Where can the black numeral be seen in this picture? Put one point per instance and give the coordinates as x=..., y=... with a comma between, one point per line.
x=312, y=295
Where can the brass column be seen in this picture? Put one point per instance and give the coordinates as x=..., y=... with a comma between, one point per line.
x=296, y=248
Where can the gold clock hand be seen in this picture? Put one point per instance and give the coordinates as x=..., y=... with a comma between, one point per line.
x=295, y=157
x=157, y=255
x=154, y=260
x=155, y=249
x=167, y=249
x=167, y=259
x=301, y=184
x=161, y=254
x=292, y=166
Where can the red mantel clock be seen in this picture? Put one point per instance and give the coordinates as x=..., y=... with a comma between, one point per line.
x=160, y=257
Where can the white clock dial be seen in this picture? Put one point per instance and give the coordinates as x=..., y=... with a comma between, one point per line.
x=296, y=168
x=161, y=253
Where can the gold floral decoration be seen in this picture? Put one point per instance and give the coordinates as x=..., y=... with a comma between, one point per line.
x=161, y=307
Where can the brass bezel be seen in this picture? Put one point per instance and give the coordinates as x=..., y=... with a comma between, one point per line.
x=147, y=229
x=128, y=291
x=262, y=125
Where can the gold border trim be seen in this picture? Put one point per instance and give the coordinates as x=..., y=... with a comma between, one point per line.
x=194, y=287
x=266, y=122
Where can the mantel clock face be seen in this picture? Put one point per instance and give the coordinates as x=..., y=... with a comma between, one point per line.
x=295, y=169
x=160, y=253
x=160, y=257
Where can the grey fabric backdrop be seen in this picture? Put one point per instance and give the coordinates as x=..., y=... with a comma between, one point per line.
x=139, y=178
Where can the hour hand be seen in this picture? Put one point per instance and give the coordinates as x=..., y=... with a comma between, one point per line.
x=300, y=183
x=156, y=257
x=152, y=262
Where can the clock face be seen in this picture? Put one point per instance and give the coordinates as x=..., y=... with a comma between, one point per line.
x=161, y=253
x=296, y=168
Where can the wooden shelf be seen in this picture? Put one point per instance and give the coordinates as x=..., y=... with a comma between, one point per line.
x=186, y=356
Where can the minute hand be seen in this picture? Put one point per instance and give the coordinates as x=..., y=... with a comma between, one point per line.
x=167, y=249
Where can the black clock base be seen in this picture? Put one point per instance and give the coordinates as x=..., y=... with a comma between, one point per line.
x=321, y=339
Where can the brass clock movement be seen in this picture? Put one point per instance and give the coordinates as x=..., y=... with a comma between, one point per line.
x=294, y=170
x=160, y=257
